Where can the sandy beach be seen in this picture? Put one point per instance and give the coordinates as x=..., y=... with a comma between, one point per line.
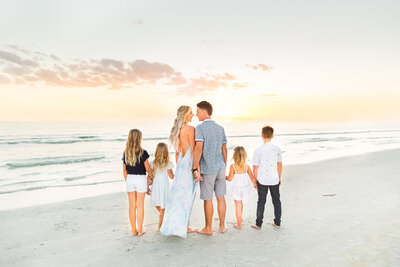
x=339, y=212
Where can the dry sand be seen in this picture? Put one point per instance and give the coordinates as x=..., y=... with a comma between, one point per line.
x=357, y=225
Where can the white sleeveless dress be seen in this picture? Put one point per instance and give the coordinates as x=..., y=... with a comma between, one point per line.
x=160, y=186
x=240, y=185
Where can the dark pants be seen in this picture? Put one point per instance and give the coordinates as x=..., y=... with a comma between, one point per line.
x=262, y=198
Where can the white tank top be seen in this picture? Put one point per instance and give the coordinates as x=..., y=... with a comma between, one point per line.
x=240, y=179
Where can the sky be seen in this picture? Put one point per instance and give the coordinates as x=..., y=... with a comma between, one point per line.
x=311, y=61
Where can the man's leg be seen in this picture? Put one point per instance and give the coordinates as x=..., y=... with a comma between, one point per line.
x=221, y=206
x=206, y=194
x=277, y=204
x=262, y=197
x=220, y=191
x=208, y=213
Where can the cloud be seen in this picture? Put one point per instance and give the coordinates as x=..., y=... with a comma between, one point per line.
x=51, y=70
x=13, y=58
x=262, y=67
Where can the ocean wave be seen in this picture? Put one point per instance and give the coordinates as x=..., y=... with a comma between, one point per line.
x=36, y=162
x=79, y=139
x=51, y=140
x=83, y=176
x=24, y=182
x=54, y=186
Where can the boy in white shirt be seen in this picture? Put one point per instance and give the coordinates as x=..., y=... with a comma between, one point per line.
x=267, y=168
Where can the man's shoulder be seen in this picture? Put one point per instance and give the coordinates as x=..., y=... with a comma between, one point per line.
x=199, y=126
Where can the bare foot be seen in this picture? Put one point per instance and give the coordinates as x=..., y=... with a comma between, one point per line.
x=276, y=226
x=238, y=226
x=255, y=227
x=159, y=229
x=192, y=230
x=222, y=229
x=134, y=233
x=141, y=233
x=205, y=231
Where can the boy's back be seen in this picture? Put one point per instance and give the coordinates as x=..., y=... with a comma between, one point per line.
x=266, y=158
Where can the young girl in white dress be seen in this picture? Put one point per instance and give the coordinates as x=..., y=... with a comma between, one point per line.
x=239, y=175
x=162, y=169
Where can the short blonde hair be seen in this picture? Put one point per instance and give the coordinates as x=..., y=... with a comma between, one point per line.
x=239, y=157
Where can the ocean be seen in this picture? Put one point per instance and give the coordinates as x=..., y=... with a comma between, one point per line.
x=49, y=162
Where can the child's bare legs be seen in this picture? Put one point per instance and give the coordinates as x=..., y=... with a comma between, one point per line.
x=132, y=211
x=140, y=211
x=161, y=216
x=239, y=213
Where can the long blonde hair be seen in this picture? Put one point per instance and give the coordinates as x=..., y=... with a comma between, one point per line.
x=179, y=122
x=240, y=157
x=161, y=157
x=133, y=145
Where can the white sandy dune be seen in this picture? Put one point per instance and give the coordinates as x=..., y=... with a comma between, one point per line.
x=341, y=212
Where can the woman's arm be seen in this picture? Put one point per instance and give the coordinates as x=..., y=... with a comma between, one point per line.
x=171, y=174
x=231, y=173
x=124, y=171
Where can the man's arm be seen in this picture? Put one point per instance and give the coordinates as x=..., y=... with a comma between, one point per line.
x=225, y=153
x=198, y=150
x=279, y=165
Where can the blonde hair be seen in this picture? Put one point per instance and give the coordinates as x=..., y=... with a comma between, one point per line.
x=179, y=122
x=161, y=157
x=240, y=157
x=133, y=145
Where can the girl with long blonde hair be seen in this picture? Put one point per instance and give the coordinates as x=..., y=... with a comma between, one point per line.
x=239, y=175
x=162, y=169
x=135, y=165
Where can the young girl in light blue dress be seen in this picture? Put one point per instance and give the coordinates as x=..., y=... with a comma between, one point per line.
x=162, y=169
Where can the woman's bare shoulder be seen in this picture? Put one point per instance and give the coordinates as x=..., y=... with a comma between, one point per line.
x=187, y=128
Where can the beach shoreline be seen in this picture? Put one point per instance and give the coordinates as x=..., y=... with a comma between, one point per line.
x=341, y=211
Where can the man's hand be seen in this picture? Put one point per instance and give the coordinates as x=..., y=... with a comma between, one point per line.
x=255, y=186
x=197, y=176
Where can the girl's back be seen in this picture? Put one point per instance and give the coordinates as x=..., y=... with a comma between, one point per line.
x=240, y=179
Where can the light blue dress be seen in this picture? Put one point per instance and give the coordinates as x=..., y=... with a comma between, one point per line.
x=180, y=198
